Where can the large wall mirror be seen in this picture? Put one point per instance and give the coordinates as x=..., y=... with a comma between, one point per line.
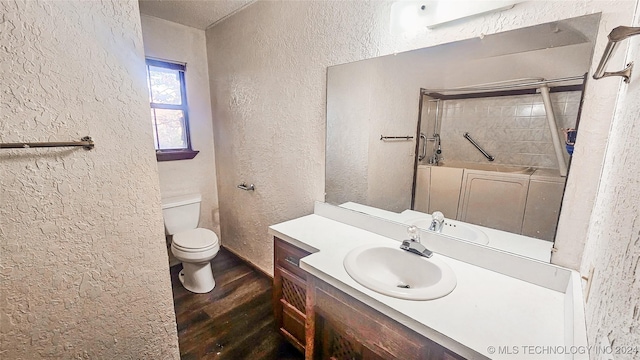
x=479, y=129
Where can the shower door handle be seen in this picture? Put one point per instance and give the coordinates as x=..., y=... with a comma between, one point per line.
x=423, y=137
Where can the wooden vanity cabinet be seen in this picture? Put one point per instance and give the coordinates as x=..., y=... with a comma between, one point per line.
x=340, y=327
x=290, y=292
x=325, y=323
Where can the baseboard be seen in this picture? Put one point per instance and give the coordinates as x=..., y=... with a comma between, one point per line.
x=245, y=260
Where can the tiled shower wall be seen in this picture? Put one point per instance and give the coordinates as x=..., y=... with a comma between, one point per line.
x=513, y=129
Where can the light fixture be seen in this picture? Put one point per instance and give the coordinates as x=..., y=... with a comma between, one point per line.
x=408, y=16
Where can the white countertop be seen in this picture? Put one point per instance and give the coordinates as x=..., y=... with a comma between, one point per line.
x=502, y=240
x=486, y=309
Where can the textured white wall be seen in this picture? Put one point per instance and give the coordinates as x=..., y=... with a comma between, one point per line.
x=267, y=66
x=588, y=155
x=83, y=266
x=613, y=243
x=170, y=41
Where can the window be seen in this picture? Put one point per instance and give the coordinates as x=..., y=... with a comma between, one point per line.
x=169, y=113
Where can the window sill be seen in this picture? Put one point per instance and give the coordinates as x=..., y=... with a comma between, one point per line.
x=170, y=155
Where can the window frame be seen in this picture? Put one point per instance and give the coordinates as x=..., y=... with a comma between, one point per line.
x=173, y=154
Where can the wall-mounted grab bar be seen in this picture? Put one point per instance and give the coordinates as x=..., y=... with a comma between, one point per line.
x=486, y=154
x=424, y=147
x=86, y=143
x=616, y=35
x=395, y=137
x=246, y=187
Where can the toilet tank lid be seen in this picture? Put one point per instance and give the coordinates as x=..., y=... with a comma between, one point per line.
x=180, y=200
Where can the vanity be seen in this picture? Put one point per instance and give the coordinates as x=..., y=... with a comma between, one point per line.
x=326, y=323
x=501, y=302
x=481, y=145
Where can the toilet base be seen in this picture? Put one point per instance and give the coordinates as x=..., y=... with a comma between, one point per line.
x=197, y=278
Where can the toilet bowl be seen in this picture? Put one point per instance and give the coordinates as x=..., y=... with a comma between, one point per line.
x=196, y=248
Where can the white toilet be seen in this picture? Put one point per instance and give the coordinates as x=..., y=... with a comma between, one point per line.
x=194, y=246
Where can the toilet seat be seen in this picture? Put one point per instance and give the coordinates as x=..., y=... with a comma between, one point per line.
x=202, y=250
x=195, y=240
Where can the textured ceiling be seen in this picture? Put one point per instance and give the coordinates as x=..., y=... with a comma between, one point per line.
x=199, y=14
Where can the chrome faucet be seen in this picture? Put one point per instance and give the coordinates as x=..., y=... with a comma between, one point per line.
x=413, y=245
x=437, y=222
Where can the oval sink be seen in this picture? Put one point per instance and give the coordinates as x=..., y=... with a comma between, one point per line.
x=454, y=229
x=398, y=273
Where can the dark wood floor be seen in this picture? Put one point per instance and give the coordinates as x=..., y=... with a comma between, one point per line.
x=234, y=321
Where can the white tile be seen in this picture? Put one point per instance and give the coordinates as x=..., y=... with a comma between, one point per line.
x=538, y=110
x=559, y=97
x=539, y=122
x=571, y=108
x=573, y=96
x=521, y=122
x=558, y=108
x=523, y=110
x=514, y=101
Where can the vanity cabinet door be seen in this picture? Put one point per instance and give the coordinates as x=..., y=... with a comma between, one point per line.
x=289, y=293
x=292, y=308
x=345, y=329
x=336, y=344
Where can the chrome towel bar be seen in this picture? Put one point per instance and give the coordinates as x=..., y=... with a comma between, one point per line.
x=86, y=143
x=615, y=36
x=395, y=137
x=486, y=154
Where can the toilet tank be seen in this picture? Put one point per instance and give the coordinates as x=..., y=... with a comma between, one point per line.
x=181, y=213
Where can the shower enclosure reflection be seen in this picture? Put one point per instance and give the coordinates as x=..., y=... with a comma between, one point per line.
x=439, y=168
x=520, y=122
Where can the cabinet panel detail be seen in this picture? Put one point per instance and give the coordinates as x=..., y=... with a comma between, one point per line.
x=337, y=346
x=294, y=294
x=294, y=325
x=376, y=333
x=289, y=293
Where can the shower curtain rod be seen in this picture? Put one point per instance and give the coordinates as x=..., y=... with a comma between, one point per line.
x=536, y=83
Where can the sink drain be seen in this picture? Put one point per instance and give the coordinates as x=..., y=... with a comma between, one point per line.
x=403, y=286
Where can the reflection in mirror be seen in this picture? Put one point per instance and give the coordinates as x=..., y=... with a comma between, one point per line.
x=477, y=129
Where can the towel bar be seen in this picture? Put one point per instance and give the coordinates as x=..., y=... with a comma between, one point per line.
x=86, y=143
